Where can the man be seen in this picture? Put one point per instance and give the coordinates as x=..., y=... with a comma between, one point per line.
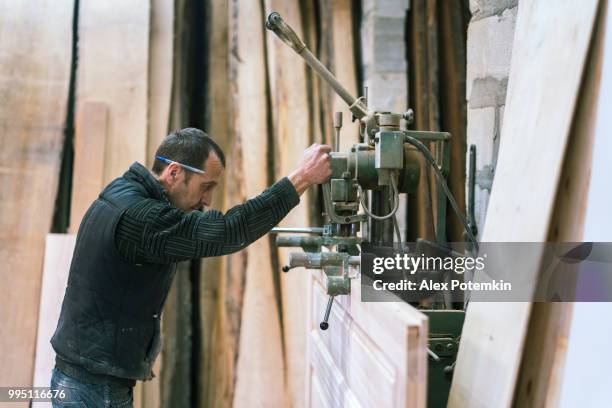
x=125, y=257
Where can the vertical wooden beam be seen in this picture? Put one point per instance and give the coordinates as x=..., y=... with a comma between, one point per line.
x=58, y=255
x=161, y=38
x=175, y=376
x=160, y=71
x=213, y=347
x=420, y=75
x=546, y=342
x=453, y=31
x=260, y=333
x=36, y=39
x=537, y=119
x=112, y=67
x=88, y=169
x=291, y=128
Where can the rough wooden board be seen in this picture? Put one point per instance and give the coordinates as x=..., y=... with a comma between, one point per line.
x=260, y=332
x=161, y=44
x=372, y=355
x=112, y=68
x=586, y=377
x=161, y=41
x=35, y=39
x=175, y=377
x=88, y=168
x=453, y=33
x=291, y=135
x=344, y=68
x=546, y=344
x=218, y=110
x=313, y=87
x=550, y=49
x=422, y=49
x=58, y=255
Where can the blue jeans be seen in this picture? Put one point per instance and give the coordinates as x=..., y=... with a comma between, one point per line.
x=80, y=394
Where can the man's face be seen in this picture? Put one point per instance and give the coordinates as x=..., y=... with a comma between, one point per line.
x=197, y=192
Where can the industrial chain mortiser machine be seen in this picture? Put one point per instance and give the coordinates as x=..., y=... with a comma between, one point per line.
x=385, y=163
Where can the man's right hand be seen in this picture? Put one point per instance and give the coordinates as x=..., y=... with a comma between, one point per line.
x=315, y=168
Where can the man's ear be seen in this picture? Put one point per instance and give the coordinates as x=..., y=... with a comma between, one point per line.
x=171, y=173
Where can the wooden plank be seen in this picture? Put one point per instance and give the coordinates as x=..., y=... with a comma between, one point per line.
x=550, y=49
x=372, y=355
x=315, y=114
x=260, y=332
x=421, y=48
x=161, y=46
x=584, y=364
x=175, y=377
x=161, y=39
x=287, y=73
x=344, y=68
x=176, y=322
x=58, y=256
x=546, y=344
x=113, y=68
x=36, y=39
x=88, y=168
x=213, y=357
x=453, y=33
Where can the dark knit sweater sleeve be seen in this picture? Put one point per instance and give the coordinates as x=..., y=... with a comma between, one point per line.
x=153, y=231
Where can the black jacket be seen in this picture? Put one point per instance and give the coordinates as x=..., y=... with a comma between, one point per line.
x=110, y=318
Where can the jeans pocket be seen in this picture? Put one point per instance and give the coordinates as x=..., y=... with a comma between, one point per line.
x=68, y=391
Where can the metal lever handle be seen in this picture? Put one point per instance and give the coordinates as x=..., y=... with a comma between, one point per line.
x=324, y=324
x=337, y=126
x=276, y=23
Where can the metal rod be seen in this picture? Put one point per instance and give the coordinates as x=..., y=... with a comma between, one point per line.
x=311, y=230
x=325, y=324
x=471, y=188
x=276, y=24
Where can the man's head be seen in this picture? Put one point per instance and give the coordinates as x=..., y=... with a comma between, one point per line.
x=187, y=189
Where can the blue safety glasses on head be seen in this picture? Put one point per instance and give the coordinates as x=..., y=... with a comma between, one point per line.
x=168, y=161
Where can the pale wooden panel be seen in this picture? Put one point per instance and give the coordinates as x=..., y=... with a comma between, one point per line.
x=287, y=75
x=161, y=47
x=212, y=363
x=260, y=334
x=550, y=48
x=176, y=318
x=58, y=255
x=372, y=355
x=35, y=39
x=546, y=345
x=88, y=168
x=161, y=42
x=344, y=68
x=112, y=68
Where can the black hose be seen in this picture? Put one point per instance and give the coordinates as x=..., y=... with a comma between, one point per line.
x=425, y=151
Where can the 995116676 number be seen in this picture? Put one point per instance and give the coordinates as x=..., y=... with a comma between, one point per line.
x=8, y=394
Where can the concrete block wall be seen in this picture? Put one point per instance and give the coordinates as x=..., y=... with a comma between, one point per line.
x=383, y=52
x=489, y=52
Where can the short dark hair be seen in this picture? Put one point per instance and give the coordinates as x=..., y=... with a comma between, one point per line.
x=188, y=146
